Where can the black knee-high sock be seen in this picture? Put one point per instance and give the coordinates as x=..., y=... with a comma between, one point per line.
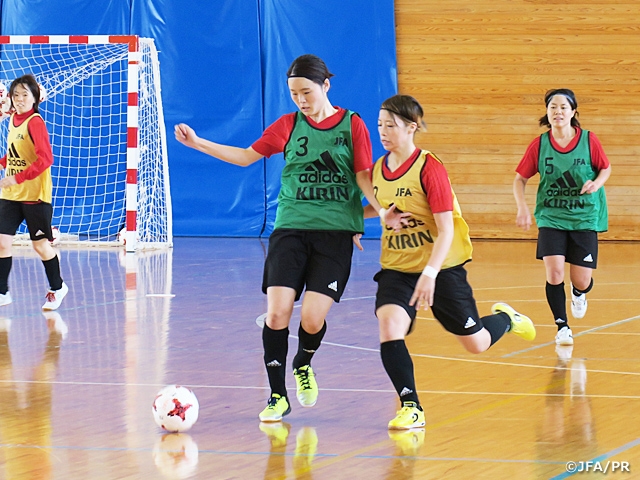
x=497, y=325
x=399, y=366
x=307, y=345
x=276, y=346
x=557, y=300
x=5, y=269
x=52, y=269
x=577, y=292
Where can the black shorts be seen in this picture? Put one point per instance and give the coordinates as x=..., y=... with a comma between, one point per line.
x=579, y=247
x=453, y=302
x=37, y=215
x=317, y=260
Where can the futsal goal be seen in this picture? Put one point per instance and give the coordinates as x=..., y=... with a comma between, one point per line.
x=103, y=111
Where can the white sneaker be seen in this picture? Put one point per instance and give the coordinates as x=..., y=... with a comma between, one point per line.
x=578, y=304
x=564, y=336
x=54, y=297
x=5, y=299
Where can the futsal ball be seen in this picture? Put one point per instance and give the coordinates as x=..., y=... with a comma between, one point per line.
x=5, y=102
x=122, y=236
x=55, y=233
x=175, y=408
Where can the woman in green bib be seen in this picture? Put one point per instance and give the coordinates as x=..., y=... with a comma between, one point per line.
x=327, y=151
x=571, y=206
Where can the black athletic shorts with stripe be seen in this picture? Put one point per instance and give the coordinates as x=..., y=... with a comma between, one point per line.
x=37, y=216
x=579, y=247
x=453, y=303
x=319, y=261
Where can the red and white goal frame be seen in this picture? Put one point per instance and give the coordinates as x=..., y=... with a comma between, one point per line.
x=134, y=238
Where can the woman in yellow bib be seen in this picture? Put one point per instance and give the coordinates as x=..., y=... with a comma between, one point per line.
x=423, y=262
x=26, y=189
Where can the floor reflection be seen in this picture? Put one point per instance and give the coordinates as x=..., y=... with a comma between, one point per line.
x=76, y=401
x=25, y=406
x=176, y=455
x=567, y=431
x=304, y=453
x=407, y=448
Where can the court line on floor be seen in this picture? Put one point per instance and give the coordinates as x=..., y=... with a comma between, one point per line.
x=151, y=449
x=489, y=362
x=335, y=390
x=260, y=321
x=585, y=332
x=601, y=458
x=516, y=287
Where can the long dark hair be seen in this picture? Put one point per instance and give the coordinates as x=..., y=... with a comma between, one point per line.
x=30, y=82
x=571, y=98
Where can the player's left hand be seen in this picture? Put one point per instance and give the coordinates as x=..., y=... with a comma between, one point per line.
x=8, y=181
x=395, y=219
x=422, y=297
x=356, y=241
x=589, y=187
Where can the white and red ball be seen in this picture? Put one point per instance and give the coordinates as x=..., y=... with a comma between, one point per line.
x=43, y=93
x=175, y=408
x=122, y=236
x=5, y=102
x=55, y=233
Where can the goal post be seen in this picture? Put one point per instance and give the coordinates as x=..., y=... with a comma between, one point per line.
x=103, y=111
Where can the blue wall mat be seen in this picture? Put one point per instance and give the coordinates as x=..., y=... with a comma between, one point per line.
x=211, y=79
x=223, y=68
x=101, y=182
x=65, y=17
x=356, y=39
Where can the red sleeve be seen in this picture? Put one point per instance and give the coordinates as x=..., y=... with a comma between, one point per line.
x=44, y=155
x=599, y=159
x=275, y=137
x=3, y=161
x=436, y=183
x=528, y=166
x=362, y=152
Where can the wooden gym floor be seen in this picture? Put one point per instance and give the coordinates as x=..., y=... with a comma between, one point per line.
x=76, y=388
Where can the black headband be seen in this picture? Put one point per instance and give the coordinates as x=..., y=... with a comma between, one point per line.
x=398, y=114
x=572, y=100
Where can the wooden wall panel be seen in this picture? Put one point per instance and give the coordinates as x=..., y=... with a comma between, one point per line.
x=480, y=69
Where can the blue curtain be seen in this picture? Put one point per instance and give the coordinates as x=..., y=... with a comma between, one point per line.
x=223, y=66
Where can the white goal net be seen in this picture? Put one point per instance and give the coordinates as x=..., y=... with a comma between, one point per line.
x=103, y=111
